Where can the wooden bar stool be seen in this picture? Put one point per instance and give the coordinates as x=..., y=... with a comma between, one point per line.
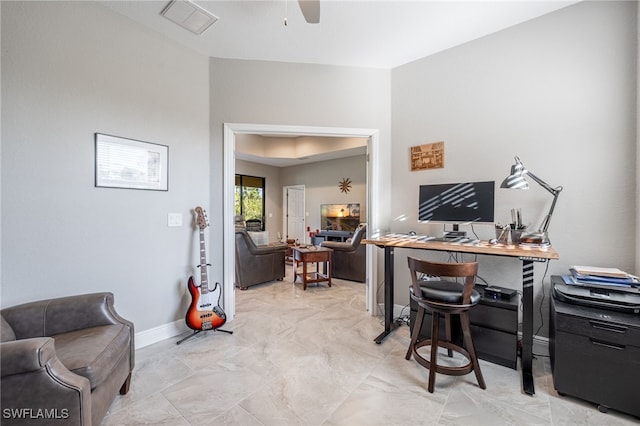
x=446, y=297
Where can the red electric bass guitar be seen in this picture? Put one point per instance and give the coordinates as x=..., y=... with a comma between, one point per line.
x=204, y=312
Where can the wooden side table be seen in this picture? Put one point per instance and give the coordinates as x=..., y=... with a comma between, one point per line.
x=312, y=254
x=288, y=257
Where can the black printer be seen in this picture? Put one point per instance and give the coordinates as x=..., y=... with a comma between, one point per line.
x=603, y=296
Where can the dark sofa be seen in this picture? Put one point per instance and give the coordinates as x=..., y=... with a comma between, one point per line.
x=349, y=259
x=64, y=360
x=257, y=264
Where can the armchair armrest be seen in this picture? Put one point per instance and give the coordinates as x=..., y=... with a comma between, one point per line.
x=243, y=239
x=339, y=246
x=23, y=356
x=33, y=378
x=350, y=245
x=268, y=249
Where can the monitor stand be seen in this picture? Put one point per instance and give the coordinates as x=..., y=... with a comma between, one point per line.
x=456, y=233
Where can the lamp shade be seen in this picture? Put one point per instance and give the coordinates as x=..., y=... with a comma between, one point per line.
x=516, y=179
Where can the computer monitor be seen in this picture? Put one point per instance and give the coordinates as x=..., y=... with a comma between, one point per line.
x=457, y=203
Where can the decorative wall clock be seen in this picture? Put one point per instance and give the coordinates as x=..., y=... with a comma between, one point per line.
x=345, y=185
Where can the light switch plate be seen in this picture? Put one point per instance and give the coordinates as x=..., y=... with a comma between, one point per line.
x=174, y=219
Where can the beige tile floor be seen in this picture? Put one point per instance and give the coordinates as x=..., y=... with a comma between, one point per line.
x=308, y=358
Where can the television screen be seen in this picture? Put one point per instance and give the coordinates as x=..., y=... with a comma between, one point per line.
x=339, y=217
x=457, y=202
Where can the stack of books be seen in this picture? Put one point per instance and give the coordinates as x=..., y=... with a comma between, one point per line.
x=605, y=278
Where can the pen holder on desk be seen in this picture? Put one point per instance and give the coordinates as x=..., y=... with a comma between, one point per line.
x=502, y=234
x=516, y=234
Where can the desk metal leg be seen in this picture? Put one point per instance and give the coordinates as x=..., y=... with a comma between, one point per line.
x=527, y=327
x=388, y=295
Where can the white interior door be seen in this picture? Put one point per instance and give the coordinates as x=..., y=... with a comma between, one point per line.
x=294, y=212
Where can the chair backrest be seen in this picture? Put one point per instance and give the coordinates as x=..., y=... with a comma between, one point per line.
x=467, y=270
x=253, y=225
x=244, y=242
x=6, y=332
x=246, y=246
x=358, y=234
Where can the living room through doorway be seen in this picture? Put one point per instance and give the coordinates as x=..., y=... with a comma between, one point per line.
x=234, y=132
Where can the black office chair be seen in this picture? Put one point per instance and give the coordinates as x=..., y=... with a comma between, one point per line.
x=444, y=297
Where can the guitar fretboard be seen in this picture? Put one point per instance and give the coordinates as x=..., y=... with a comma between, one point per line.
x=204, y=283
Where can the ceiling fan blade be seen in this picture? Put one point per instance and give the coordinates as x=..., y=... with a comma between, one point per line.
x=311, y=10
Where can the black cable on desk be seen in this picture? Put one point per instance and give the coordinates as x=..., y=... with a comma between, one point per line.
x=474, y=232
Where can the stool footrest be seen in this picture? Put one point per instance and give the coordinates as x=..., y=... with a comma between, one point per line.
x=443, y=369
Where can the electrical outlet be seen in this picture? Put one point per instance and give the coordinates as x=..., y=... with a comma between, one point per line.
x=174, y=219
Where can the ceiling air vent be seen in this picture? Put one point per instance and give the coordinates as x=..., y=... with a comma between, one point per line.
x=189, y=16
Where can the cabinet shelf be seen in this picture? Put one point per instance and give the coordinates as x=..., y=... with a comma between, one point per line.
x=595, y=354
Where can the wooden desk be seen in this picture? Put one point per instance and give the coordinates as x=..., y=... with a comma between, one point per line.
x=526, y=254
x=312, y=254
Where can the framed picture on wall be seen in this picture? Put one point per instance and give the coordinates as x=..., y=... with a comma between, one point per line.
x=427, y=156
x=131, y=164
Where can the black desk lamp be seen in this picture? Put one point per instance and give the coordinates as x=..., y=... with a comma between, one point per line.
x=516, y=180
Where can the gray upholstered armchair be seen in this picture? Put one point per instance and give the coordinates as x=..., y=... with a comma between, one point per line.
x=349, y=260
x=257, y=264
x=63, y=360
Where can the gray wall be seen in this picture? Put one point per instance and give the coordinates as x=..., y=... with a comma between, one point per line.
x=558, y=91
x=638, y=143
x=70, y=69
x=278, y=93
x=321, y=186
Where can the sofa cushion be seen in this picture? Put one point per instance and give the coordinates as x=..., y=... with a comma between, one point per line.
x=93, y=352
x=6, y=332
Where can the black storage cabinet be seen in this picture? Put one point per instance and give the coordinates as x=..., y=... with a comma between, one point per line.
x=494, y=328
x=595, y=355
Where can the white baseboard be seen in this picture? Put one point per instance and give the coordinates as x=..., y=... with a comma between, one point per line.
x=397, y=310
x=159, y=333
x=541, y=345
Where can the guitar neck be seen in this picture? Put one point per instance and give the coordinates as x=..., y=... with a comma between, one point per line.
x=204, y=282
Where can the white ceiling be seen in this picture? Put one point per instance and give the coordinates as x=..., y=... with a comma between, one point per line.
x=288, y=162
x=293, y=150
x=373, y=33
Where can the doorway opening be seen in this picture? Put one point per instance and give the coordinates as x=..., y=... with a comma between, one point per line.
x=373, y=165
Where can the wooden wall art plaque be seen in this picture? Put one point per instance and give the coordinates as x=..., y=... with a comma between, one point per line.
x=427, y=156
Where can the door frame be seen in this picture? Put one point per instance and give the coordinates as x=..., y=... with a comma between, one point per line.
x=373, y=185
